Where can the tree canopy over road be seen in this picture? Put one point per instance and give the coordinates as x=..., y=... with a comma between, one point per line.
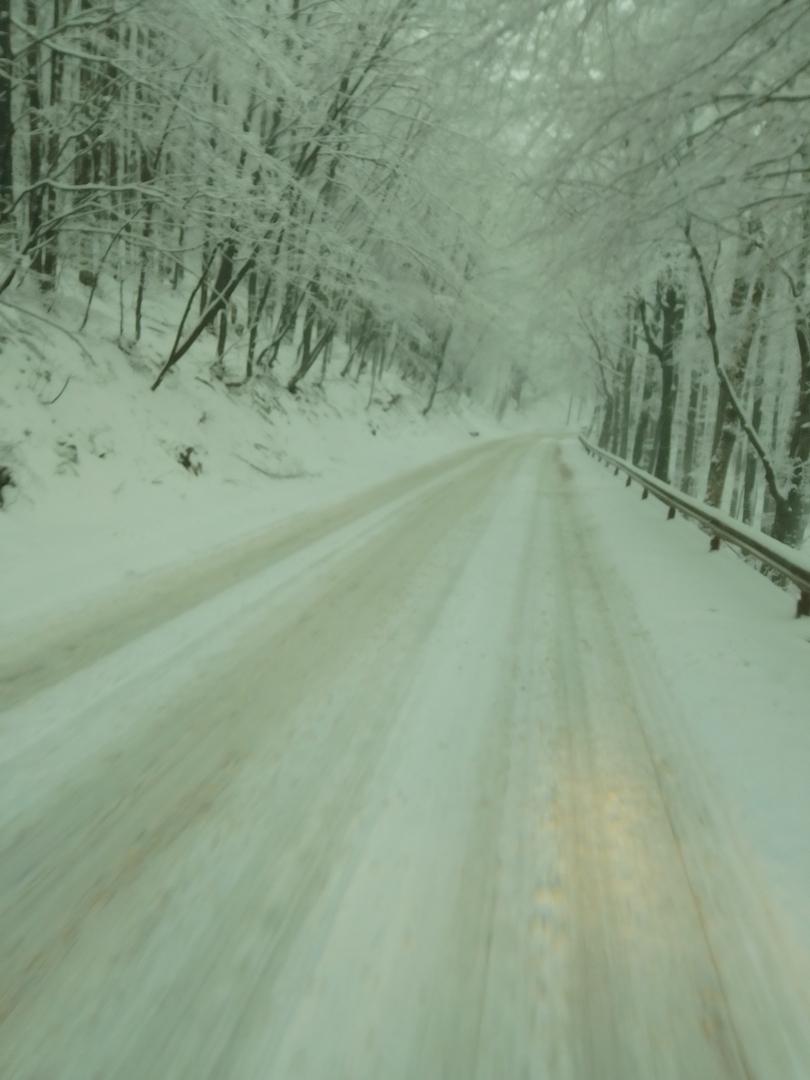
x=606, y=194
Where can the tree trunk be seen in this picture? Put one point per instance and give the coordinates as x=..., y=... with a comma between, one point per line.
x=308, y=353
x=627, y=394
x=663, y=436
x=204, y=278
x=222, y=338
x=179, y=268
x=790, y=520
x=376, y=360
x=672, y=309
x=769, y=503
x=50, y=237
x=6, y=116
x=629, y=361
x=225, y=274
x=35, y=149
x=254, y=317
x=442, y=353
x=595, y=416
x=390, y=347
x=219, y=301
x=749, y=481
x=644, y=412
x=304, y=349
x=289, y=310
x=778, y=495
x=86, y=140
x=322, y=343
x=652, y=446
x=750, y=477
x=618, y=384
x=361, y=367
x=327, y=356
x=737, y=472
x=726, y=423
x=687, y=481
x=669, y=308
x=147, y=232
x=606, y=429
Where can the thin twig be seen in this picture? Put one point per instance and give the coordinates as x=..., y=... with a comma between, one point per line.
x=64, y=388
x=50, y=322
x=272, y=475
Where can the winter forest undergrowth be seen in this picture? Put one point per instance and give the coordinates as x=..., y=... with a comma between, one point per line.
x=406, y=204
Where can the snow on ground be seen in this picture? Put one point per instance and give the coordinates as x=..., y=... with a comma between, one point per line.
x=737, y=662
x=100, y=494
x=404, y=805
x=101, y=499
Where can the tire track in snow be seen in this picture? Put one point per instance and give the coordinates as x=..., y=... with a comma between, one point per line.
x=649, y=992
x=74, y=641
x=116, y=831
x=412, y=825
x=759, y=1007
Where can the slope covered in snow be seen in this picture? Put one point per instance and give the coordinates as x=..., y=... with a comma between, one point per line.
x=101, y=494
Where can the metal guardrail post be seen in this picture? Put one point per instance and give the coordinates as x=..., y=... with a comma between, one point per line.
x=792, y=564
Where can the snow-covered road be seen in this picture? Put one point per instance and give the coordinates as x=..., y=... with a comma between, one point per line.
x=395, y=791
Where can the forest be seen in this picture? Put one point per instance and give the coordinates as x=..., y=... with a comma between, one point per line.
x=609, y=196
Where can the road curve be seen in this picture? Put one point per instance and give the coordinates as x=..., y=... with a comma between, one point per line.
x=393, y=792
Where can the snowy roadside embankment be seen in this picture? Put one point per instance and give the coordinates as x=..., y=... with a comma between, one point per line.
x=113, y=482
x=737, y=663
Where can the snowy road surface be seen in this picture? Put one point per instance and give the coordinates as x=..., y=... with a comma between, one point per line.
x=395, y=791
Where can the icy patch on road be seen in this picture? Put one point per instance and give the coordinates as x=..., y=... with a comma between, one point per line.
x=737, y=662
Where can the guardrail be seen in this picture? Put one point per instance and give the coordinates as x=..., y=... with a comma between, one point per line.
x=793, y=564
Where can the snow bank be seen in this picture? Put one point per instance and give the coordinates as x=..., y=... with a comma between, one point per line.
x=737, y=663
x=101, y=496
